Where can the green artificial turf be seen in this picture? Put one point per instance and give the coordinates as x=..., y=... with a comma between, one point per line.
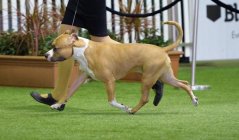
x=88, y=116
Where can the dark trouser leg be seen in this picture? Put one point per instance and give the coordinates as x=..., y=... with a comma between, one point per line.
x=158, y=89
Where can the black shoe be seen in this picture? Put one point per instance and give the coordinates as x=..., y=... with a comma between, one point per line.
x=48, y=101
x=158, y=89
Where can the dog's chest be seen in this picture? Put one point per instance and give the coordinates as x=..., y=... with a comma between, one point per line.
x=79, y=56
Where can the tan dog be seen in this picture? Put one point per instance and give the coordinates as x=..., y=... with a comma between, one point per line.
x=110, y=62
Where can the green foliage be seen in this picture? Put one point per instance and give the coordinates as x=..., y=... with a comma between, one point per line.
x=112, y=35
x=45, y=43
x=18, y=43
x=38, y=28
x=14, y=43
x=84, y=34
x=153, y=38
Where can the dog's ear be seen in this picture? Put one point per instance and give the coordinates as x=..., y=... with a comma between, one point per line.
x=76, y=41
x=74, y=37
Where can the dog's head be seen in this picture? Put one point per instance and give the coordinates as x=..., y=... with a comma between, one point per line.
x=62, y=47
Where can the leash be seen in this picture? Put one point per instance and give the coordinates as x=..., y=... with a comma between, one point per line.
x=74, y=15
x=72, y=24
x=146, y=14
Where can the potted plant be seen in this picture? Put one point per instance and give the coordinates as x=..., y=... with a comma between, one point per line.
x=21, y=53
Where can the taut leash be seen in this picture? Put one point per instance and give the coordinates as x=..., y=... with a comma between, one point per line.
x=74, y=15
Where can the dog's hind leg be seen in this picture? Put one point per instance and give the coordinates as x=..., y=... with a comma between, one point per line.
x=183, y=81
x=171, y=80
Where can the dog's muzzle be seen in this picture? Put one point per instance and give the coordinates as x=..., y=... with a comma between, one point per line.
x=49, y=56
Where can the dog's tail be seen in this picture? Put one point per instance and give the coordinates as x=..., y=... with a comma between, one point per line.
x=179, y=38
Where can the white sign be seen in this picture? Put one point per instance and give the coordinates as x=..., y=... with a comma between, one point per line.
x=218, y=31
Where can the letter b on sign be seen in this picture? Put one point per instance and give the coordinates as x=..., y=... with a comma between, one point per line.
x=213, y=12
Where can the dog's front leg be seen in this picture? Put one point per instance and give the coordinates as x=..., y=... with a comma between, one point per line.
x=110, y=88
x=144, y=98
x=80, y=80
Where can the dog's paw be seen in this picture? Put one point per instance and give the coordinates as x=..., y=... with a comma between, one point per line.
x=59, y=107
x=195, y=101
x=127, y=109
